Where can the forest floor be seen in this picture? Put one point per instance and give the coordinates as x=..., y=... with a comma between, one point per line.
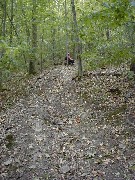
x=65, y=129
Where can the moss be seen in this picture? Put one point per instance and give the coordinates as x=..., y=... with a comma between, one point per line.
x=10, y=141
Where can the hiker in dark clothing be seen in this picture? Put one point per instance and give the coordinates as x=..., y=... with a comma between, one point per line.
x=69, y=60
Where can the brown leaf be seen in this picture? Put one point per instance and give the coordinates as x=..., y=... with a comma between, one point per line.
x=77, y=120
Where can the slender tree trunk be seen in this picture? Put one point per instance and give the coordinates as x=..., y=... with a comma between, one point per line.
x=34, y=26
x=59, y=34
x=27, y=29
x=34, y=40
x=41, y=55
x=11, y=22
x=3, y=36
x=74, y=43
x=54, y=38
x=0, y=79
x=78, y=44
x=66, y=29
x=4, y=18
x=53, y=45
x=108, y=34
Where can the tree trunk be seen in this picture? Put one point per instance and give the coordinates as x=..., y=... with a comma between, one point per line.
x=66, y=29
x=78, y=44
x=53, y=45
x=11, y=22
x=4, y=18
x=108, y=34
x=0, y=79
x=27, y=29
x=34, y=40
x=41, y=55
x=3, y=36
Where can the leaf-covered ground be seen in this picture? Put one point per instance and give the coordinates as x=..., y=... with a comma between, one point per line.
x=65, y=129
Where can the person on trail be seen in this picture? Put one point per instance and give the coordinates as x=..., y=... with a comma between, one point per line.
x=69, y=60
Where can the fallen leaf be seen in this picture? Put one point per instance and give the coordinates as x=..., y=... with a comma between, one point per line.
x=77, y=120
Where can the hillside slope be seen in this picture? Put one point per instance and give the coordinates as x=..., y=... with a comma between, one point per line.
x=69, y=129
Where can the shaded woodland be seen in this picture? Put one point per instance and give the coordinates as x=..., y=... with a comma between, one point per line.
x=67, y=122
x=37, y=35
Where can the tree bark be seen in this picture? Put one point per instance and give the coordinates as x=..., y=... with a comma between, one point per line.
x=108, y=34
x=11, y=22
x=3, y=36
x=0, y=79
x=66, y=29
x=4, y=18
x=53, y=45
x=34, y=40
x=78, y=44
x=41, y=55
x=27, y=29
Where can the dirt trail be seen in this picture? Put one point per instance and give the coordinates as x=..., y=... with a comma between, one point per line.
x=62, y=132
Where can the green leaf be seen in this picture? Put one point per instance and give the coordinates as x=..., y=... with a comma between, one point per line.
x=105, y=4
x=132, y=168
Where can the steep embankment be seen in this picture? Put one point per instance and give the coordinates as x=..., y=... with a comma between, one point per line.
x=70, y=130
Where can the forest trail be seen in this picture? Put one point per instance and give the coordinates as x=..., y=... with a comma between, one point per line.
x=68, y=130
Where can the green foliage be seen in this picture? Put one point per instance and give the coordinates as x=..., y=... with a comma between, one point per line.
x=95, y=19
x=11, y=59
x=131, y=75
x=108, y=34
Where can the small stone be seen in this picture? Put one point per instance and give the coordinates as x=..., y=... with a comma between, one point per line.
x=122, y=146
x=3, y=174
x=117, y=174
x=32, y=166
x=83, y=138
x=30, y=146
x=84, y=174
x=131, y=162
x=17, y=161
x=64, y=169
x=8, y=162
x=91, y=154
x=70, y=122
x=47, y=155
